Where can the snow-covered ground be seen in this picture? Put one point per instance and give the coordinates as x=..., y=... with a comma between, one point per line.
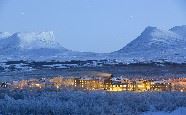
x=179, y=111
x=73, y=102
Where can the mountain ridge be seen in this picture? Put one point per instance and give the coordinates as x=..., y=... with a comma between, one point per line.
x=155, y=44
x=151, y=45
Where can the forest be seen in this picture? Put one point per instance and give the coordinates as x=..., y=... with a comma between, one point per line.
x=76, y=102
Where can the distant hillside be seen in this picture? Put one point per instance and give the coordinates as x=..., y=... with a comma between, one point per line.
x=154, y=44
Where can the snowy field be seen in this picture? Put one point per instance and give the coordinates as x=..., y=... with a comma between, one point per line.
x=179, y=111
x=71, y=102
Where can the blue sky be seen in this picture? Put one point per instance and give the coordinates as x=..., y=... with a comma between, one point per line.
x=91, y=25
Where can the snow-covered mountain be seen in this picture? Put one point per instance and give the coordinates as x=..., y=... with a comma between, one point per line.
x=36, y=46
x=28, y=45
x=154, y=44
x=24, y=41
x=181, y=30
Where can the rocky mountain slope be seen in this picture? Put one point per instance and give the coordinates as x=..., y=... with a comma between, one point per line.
x=154, y=45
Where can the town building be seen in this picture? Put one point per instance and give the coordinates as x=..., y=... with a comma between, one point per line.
x=160, y=86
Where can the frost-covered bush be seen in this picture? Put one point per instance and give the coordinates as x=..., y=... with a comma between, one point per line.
x=70, y=102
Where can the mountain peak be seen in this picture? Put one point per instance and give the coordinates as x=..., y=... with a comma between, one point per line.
x=153, y=39
x=149, y=30
x=35, y=35
x=4, y=34
x=30, y=40
x=181, y=30
x=178, y=27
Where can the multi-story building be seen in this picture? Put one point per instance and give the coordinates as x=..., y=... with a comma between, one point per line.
x=178, y=84
x=116, y=84
x=60, y=82
x=89, y=84
x=161, y=86
x=141, y=85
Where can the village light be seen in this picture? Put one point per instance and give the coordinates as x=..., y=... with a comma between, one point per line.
x=38, y=85
x=93, y=84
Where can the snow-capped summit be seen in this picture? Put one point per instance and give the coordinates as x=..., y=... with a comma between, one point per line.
x=149, y=29
x=153, y=38
x=4, y=35
x=29, y=45
x=181, y=30
x=31, y=41
x=155, y=44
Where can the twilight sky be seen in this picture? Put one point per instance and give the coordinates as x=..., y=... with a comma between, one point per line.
x=91, y=25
